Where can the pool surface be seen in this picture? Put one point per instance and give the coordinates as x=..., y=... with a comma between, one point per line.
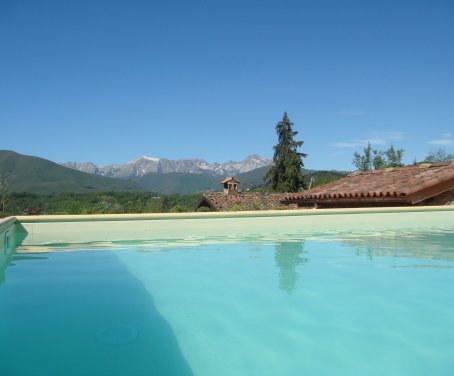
x=289, y=301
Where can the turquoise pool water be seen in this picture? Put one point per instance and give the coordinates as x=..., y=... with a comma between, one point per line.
x=328, y=304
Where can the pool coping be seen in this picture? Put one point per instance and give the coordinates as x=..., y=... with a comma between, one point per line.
x=6, y=223
x=163, y=228
x=208, y=215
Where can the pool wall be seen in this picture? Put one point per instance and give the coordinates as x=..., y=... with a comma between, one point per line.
x=97, y=228
x=7, y=234
x=8, y=241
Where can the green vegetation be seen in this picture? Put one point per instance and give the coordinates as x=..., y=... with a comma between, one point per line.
x=3, y=192
x=377, y=159
x=286, y=173
x=20, y=203
x=323, y=177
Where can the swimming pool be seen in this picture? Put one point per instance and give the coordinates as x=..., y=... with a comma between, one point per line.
x=326, y=294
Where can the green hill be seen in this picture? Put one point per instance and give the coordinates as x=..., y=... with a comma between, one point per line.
x=175, y=182
x=38, y=175
x=322, y=177
x=185, y=183
x=253, y=179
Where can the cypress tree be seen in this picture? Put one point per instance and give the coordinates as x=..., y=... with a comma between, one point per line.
x=286, y=174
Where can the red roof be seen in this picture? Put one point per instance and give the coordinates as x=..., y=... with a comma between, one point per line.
x=410, y=184
x=229, y=179
x=244, y=201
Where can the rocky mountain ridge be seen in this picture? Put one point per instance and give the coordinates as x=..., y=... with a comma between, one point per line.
x=145, y=165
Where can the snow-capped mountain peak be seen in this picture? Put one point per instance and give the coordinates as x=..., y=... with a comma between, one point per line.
x=146, y=158
x=145, y=164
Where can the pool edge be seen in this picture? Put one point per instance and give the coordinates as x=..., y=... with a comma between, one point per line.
x=239, y=214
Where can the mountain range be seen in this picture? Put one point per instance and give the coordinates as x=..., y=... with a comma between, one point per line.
x=145, y=165
x=163, y=176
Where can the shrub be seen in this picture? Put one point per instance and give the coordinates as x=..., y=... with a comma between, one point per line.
x=108, y=205
x=178, y=209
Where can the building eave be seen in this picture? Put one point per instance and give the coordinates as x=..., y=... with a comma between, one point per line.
x=353, y=201
x=431, y=191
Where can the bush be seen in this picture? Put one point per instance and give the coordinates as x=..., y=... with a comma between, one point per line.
x=108, y=205
x=179, y=209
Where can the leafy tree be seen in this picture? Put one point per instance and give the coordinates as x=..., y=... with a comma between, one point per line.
x=3, y=191
x=377, y=159
x=394, y=157
x=286, y=174
x=363, y=162
x=439, y=155
x=287, y=257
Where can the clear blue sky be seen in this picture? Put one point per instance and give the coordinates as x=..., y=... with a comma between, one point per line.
x=108, y=81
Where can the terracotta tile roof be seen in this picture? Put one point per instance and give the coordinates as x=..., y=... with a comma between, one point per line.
x=244, y=201
x=411, y=184
x=229, y=178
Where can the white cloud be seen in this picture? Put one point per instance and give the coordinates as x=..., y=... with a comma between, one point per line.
x=382, y=138
x=356, y=143
x=374, y=141
x=443, y=141
x=346, y=144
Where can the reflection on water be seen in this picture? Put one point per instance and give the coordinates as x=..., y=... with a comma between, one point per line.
x=418, y=245
x=288, y=256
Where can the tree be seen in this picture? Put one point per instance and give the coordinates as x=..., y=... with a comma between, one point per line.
x=377, y=159
x=439, y=155
x=286, y=174
x=3, y=191
x=363, y=162
x=394, y=157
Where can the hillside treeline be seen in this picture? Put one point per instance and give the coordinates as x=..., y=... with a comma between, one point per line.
x=22, y=203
